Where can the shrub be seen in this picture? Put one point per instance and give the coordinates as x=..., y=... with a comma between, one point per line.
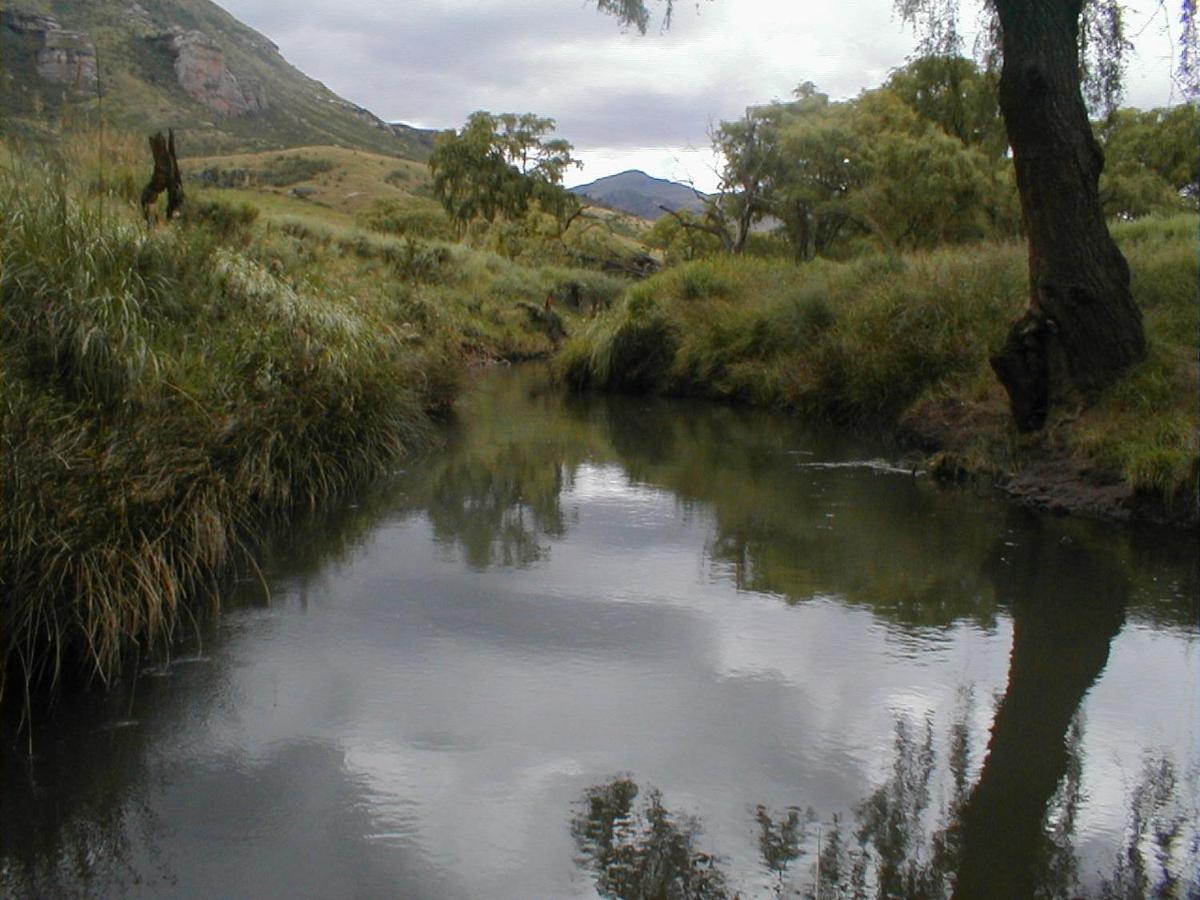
x=230, y=222
x=414, y=260
x=415, y=218
x=286, y=170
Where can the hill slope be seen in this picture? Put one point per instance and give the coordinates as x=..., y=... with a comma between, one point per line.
x=639, y=194
x=187, y=64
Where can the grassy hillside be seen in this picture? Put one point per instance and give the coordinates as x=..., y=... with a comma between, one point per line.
x=334, y=183
x=138, y=88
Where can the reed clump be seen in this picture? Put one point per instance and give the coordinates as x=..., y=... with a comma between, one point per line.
x=164, y=394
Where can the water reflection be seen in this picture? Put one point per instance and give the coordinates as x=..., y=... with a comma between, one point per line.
x=1010, y=834
x=1067, y=604
x=570, y=589
x=781, y=840
x=295, y=822
x=637, y=850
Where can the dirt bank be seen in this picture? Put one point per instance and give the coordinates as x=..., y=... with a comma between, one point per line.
x=973, y=444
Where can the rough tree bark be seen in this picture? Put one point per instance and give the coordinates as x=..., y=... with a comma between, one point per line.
x=166, y=176
x=1082, y=327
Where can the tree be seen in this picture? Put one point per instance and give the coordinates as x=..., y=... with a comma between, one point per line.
x=1151, y=163
x=820, y=164
x=682, y=237
x=795, y=162
x=923, y=187
x=952, y=92
x=165, y=177
x=749, y=150
x=1082, y=328
x=749, y=147
x=500, y=165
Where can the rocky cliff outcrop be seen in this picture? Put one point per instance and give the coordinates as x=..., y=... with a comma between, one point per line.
x=61, y=56
x=202, y=73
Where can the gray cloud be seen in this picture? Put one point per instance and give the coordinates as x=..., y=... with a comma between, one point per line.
x=432, y=63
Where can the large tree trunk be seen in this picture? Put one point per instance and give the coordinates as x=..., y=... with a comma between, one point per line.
x=1082, y=327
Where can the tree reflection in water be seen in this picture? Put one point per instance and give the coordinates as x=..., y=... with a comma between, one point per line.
x=638, y=848
x=780, y=843
x=642, y=850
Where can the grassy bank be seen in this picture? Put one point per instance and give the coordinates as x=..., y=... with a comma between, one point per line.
x=169, y=391
x=164, y=393
x=903, y=342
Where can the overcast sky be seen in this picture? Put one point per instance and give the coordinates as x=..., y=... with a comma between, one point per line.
x=624, y=100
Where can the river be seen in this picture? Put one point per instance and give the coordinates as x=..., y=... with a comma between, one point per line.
x=628, y=645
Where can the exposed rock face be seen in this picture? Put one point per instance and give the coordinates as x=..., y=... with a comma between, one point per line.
x=201, y=70
x=61, y=56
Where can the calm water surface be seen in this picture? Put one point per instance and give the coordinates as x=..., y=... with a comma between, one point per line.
x=630, y=645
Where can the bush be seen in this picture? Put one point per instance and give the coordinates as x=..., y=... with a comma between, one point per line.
x=868, y=340
x=583, y=289
x=630, y=353
x=286, y=170
x=230, y=222
x=849, y=341
x=415, y=218
x=413, y=260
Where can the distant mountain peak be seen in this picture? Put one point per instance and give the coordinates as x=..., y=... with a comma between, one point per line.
x=639, y=194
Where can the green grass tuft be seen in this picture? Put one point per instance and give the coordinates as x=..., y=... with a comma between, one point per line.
x=165, y=393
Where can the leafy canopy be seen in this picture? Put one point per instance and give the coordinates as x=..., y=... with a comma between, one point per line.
x=500, y=166
x=919, y=161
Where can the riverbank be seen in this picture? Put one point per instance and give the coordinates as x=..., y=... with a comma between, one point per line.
x=170, y=392
x=165, y=394
x=901, y=345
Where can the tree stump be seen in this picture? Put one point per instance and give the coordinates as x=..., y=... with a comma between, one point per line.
x=166, y=177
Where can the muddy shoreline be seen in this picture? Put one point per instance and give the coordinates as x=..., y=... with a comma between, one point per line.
x=1047, y=478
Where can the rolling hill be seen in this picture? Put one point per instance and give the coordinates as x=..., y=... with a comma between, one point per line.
x=640, y=194
x=144, y=65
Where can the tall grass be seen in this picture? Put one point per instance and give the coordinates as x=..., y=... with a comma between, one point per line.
x=852, y=341
x=163, y=395
x=476, y=300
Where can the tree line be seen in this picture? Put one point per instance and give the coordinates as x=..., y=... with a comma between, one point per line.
x=919, y=162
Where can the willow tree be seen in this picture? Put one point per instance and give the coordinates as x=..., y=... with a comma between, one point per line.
x=1082, y=327
x=500, y=166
